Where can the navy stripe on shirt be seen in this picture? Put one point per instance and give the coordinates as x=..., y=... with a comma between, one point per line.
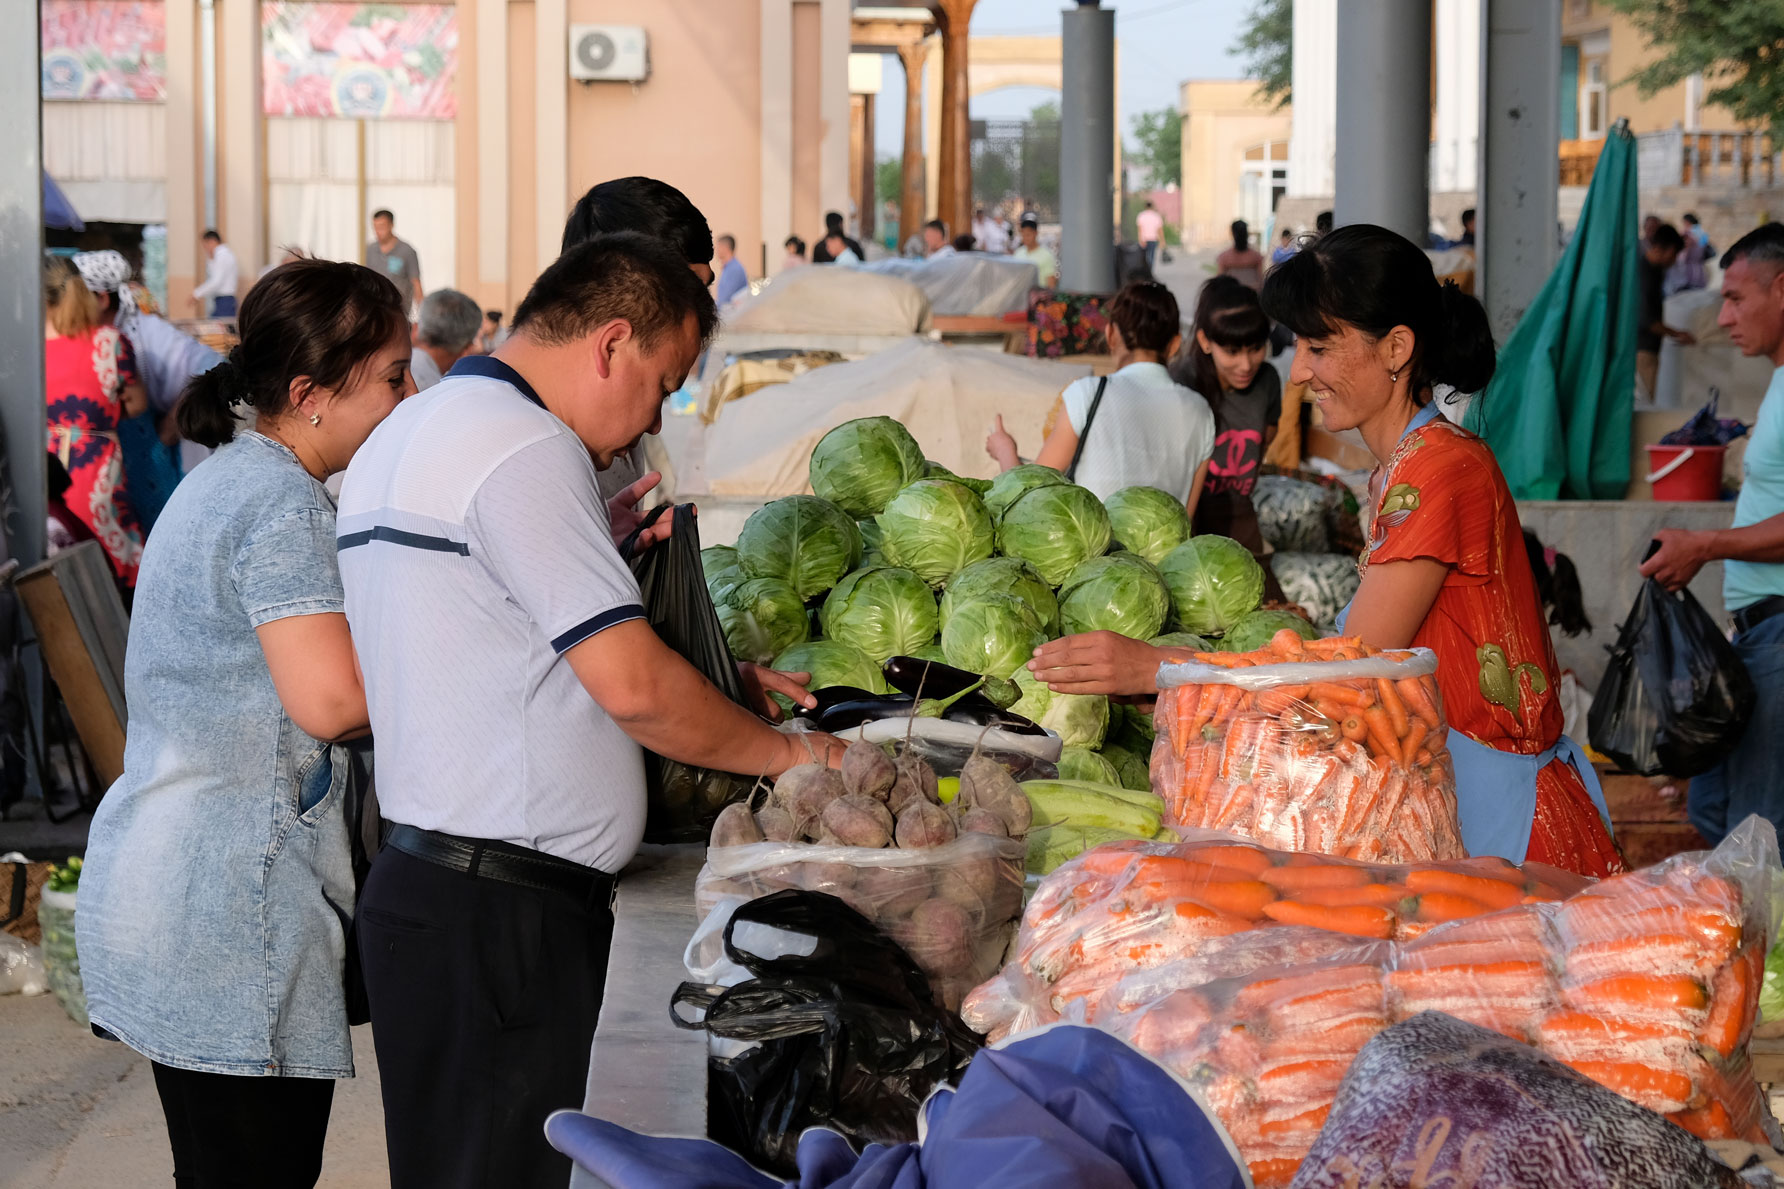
x=397, y=536
x=489, y=367
x=597, y=624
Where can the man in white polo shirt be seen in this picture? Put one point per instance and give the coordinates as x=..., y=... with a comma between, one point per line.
x=512, y=680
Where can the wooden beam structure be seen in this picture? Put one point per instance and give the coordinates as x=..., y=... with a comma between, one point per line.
x=905, y=32
x=955, y=196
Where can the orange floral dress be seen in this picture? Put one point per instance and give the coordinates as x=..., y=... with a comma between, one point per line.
x=1441, y=496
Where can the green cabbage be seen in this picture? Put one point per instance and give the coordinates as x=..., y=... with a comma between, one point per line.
x=995, y=634
x=1255, y=630
x=870, y=535
x=1055, y=529
x=716, y=559
x=1004, y=575
x=1017, y=482
x=1131, y=728
x=831, y=663
x=1131, y=767
x=1214, y=583
x=1147, y=521
x=884, y=612
x=1080, y=720
x=935, y=470
x=1119, y=593
x=807, y=541
x=763, y=618
x=1771, y=988
x=861, y=464
x=1080, y=763
x=1187, y=640
x=931, y=651
x=935, y=528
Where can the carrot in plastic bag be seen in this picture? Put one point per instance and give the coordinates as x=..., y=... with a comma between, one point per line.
x=1493, y=893
x=1357, y=920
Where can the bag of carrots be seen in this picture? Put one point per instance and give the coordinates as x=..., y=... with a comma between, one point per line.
x=1646, y=983
x=1326, y=746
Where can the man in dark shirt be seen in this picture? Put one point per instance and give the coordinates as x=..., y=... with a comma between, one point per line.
x=833, y=226
x=1659, y=252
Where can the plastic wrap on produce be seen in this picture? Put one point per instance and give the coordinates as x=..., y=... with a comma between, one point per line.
x=1294, y=514
x=1646, y=983
x=952, y=907
x=1321, y=584
x=947, y=745
x=1310, y=746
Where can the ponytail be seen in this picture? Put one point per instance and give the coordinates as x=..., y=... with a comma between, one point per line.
x=1462, y=354
x=206, y=410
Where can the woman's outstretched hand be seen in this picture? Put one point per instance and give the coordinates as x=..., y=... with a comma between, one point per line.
x=1098, y=663
x=1001, y=446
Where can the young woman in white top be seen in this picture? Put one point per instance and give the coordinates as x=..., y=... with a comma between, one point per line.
x=1148, y=430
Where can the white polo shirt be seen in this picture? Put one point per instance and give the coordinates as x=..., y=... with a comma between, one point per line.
x=475, y=551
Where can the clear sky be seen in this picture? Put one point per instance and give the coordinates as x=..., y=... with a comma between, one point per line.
x=1163, y=42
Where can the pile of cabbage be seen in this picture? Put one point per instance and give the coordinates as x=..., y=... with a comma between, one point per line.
x=895, y=556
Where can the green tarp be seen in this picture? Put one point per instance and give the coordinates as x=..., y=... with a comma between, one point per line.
x=1558, y=411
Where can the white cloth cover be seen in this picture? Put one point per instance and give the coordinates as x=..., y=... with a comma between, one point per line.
x=965, y=284
x=831, y=299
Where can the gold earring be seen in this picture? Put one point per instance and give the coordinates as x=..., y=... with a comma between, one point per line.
x=315, y=418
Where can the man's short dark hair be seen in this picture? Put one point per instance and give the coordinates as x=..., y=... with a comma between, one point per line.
x=1467, y=216
x=833, y=221
x=1146, y=311
x=1666, y=237
x=1762, y=245
x=730, y=242
x=622, y=275
x=644, y=205
x=211, y=234
x=937, y=225
x=964, y=243
x=383, y=214
x=1689, y=217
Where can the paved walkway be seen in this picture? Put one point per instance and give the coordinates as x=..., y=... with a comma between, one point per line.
x=78, y=1112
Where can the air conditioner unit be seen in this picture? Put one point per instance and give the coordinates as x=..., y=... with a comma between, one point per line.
x=609, y=53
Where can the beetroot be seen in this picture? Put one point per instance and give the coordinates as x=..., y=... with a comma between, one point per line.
x=857, y=820
x=922, y=824
x=868, y=770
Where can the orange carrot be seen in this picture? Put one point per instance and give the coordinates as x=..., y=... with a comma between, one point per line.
x=1424, y=758
x=1343, y=694
x=1236, y=808
x=1447, y=906
x=1493, y=893
x=1381, y=733
x=1291, y=880
x=1733, y=990
x=1248, y=859
x=1273, y=702
x=1242, y=898
x=1642, y=1084
x=1418, y=700
x=1273, y=1171
x=1309, y=1121
x=1644, y=990
x=1358, y=920
x=1415, y=735
x=1286, y=643
x=1352, y=728
x=1394, y=705
x=1377, y=895
x=1705, y=1122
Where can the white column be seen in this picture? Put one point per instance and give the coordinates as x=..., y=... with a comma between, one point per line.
x=551, y=120
x=244, y=136
x=777, y=123
x=1315, y=118
x=21, y=292
x=1457, y=149
x=491, y=17
x=833, y=107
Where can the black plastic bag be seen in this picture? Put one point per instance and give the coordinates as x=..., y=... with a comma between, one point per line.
x=684, y=801
x=1675, y=696
x=850, y=1034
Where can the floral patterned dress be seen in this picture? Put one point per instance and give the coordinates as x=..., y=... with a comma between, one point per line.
x=85, y=376
x=1441, y=496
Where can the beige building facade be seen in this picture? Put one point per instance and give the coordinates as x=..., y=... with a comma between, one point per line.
x=1235, y=158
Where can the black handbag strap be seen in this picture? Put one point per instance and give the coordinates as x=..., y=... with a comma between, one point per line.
x=1071, y=472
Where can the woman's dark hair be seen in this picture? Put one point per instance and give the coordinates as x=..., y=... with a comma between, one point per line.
x=795, y=245
x=1241, y=235
x=1370, y=278
x=646, y=206
x=316, y=318
x=1229, y=313
x=1146, y=312
x=1558, y=586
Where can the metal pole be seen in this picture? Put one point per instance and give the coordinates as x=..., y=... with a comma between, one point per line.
x=1382, y=164
x=207, y=90
x=21, y=283
x=1087, y=150
x=1519, y=157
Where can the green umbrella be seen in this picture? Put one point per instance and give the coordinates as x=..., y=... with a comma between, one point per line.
x=1558, y=411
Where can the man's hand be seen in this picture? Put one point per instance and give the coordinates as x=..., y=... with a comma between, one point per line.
x=1682, y=337
x=1001, y=446
x=812, y=747
x=1681, y=555
x=1098, y=663
x=624, y=516
x=759, y=682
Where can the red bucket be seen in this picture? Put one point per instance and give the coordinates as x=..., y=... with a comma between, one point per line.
x=1686, y=472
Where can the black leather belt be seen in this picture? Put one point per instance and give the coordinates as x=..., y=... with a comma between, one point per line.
x=482, y=858
x=1754, y=614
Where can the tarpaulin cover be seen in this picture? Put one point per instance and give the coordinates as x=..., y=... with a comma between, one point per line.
x=966, y=284
x=831, y=299
x=1559, y=409
x=1069, y=1107
x=946, y=396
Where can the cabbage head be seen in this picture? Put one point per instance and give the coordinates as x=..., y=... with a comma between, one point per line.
x=935, y=528
x=1017, y=482
x=1255, y=630
x=931, y=651
x=1214, y=583
x=1004, y=575
x=1147, y=521
x=1118, y=593
x=1131, y=767
x=1055, y=529
x=762, y=618
x=1080, y=720
x=808, y=542
x=995, y=634
x=861, y=464
x=832, y=663
x=1187, y=640
x=1080, y=763
x=883, y=612
x=935, y=470
x=716, y=559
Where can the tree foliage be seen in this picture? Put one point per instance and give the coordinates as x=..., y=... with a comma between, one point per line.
x=1158, y=136
x=888, y=179
x=1737, y=45
x=1267, y=47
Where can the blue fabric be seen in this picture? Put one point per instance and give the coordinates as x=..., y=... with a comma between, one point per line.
x=1751, y=779
x=223, y=307
x=58, y=212
x=1067, y=1107
x=1496, y=792
x=732, y=280
x=1762, y=497
x=492, y=368
x=151, y=468
x=217, y=878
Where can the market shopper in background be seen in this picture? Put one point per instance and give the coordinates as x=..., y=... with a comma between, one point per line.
x=732, y=278
x=218, y=882
x=221, y=277
x=447, y=332
x=833, y=226
x=510, y=763
x=795, y=253
x=989, y=234
x=1147, y=429
x=935, y=240
x=1242, y=262
x=1150, y=226
x=1660, y=250
x=1045, y=263
x=1751, y=778
x=1445, y=567
x=394, y=258
x=1687, y=271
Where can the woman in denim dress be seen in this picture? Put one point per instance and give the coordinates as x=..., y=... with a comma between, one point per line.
x=217, y=886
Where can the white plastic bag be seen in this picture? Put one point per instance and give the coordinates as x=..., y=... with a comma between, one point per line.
x=21, y=968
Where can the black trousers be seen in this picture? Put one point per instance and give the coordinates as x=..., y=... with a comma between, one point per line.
x=238, y=1132
x=484, y=1001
